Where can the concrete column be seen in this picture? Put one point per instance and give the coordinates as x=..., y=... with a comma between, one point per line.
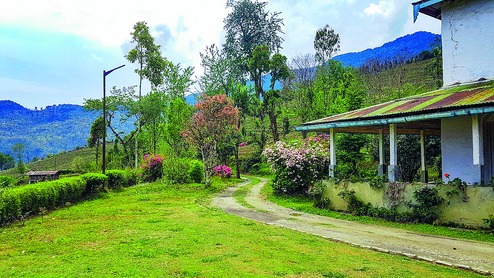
x=381, y=170
x=393, y=170
x=478, y=147
x=332, y=153
x=424, y=175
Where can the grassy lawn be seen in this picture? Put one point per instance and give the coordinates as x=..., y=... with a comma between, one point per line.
x=157, y=230
x=306, y=205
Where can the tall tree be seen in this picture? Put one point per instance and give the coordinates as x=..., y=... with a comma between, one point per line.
x=177, y=81
x=214, y=121
x=326, y=44
x=121, y=108
x=252, y=34
x=301, y=87
x=260, y=65
x=151, y=64
x=6, y=161
x=221, y=74
x=147, y=55
x=153, y=107
x=19, y=149
x=250, y=25
x=96, y=135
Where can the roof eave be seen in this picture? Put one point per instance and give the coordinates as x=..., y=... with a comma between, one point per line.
x=429, y=7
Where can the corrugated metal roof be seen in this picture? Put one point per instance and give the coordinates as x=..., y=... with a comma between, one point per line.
x=449, y=99
x=41, y=173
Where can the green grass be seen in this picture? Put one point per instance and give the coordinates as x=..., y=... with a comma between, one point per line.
x=158, y=230
x=306, y=205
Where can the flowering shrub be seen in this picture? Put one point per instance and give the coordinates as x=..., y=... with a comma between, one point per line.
x=222, y=171
x=152, y=167
x=298, y=166
x=243, y=144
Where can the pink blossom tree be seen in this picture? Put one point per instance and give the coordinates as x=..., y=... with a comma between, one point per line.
x=214, y=121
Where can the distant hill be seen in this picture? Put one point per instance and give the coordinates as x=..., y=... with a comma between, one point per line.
x=46, y=131
x=403, y=48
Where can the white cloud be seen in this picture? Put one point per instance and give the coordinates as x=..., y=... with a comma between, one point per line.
x=99, y=32
x=384, y=8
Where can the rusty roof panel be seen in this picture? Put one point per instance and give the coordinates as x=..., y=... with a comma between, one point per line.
x=450, y=98
x=410, y=105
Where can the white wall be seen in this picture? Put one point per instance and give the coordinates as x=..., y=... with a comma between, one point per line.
x=457, y=150
x=468, y=40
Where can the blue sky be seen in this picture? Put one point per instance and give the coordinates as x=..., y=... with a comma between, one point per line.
x=54, y=51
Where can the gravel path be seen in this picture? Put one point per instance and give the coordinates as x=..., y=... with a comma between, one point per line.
x=471, y=255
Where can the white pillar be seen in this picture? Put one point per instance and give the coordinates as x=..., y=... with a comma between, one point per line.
x=478, y=150
x=393, y=171
x=332, y=153
x=424, y=177
x=478, y=147
x=380, y=170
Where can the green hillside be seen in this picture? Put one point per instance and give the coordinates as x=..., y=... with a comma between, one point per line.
x=62, y=161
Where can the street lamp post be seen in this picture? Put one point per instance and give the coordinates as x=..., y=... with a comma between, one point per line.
x=105, y=73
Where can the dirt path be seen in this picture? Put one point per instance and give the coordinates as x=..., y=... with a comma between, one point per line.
x=476, y=256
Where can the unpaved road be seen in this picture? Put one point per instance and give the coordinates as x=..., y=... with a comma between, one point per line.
x=476, y=256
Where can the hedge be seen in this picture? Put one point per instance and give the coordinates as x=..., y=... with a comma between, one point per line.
x=21, y=201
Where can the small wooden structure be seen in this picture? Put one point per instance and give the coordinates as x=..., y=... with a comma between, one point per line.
x=37, y=176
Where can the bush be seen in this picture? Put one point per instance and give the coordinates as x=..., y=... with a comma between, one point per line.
x=18, y=202
x=117, y=178
x=355, y=205
x=298, y=166
x=426, y=206
x=176, y=170
x=222, y=171
x=489, y=221
x=7, y=181
x=95, y=182
x=250, y=164
x=196, y=170
x=152, y=167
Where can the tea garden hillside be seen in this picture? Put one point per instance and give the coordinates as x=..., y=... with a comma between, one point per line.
x=244, y=120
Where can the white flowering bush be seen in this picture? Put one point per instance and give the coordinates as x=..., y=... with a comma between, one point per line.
x=297, y=166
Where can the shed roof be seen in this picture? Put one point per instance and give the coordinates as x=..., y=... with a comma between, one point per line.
x=427, y=108
x=429, y=7
x=42, y=173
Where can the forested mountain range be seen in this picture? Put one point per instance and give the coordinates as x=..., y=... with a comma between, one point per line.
x=402, y=49
x=65, y=127
x=45, y=131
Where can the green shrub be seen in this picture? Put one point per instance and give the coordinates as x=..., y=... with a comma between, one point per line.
x=132, y=177
x=176, y=170
x=7, y=181
x=489, y=221
x=10, y=206
x=117, y=178
x=426, y=207
x=31, y=199
x=377, y=182
x=95, y=182
x=355, y=205
x=196, y=170
x=250, y=164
